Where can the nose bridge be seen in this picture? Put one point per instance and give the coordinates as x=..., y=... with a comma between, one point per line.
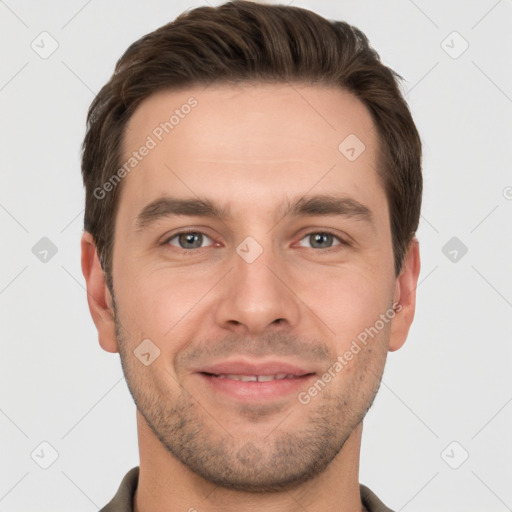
x=256, y=296
x=254, y=275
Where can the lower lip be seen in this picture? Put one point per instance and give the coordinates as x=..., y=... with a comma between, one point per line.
x=257, y=391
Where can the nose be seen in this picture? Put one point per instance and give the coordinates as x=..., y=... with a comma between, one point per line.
x=257, y=297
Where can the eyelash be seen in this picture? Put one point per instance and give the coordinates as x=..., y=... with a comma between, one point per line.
x=185, y=232
x=341, y=241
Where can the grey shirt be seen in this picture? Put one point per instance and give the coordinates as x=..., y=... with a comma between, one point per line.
x=123, y=500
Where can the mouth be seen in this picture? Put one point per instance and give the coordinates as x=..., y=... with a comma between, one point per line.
x=255, y=378
x=250, y=382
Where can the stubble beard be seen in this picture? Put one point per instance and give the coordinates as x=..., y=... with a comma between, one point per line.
x=283, y=459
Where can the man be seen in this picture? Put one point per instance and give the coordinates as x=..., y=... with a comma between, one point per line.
x=253, y=189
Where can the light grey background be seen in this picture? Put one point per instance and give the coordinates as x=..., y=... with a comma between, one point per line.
x=450, y=382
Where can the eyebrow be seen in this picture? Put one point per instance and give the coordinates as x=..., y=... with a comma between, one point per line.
x=169, y=206
x=329, y=205
x=318, y=205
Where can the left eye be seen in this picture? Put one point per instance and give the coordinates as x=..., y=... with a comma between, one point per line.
x=321, y=240
x=189, y=240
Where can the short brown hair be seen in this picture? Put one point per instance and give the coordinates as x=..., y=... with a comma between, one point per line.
x=243, y=41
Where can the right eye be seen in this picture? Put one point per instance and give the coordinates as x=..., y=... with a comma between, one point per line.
x=188, y=240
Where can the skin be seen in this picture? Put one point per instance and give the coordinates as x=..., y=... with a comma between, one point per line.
x=251, y=148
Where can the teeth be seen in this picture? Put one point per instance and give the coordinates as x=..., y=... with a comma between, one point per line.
x=265, y=378
x=246, y=378
x=256, y=378
x=243, y=378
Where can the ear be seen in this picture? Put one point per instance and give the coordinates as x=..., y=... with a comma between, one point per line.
x=404, y=298
x=98, y=294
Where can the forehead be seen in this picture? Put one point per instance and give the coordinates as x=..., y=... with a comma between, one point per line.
x=251, y=142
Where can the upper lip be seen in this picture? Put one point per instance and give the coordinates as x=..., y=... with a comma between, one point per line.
x=243, y=367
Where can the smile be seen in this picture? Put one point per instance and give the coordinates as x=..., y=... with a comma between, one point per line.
x=255, y=378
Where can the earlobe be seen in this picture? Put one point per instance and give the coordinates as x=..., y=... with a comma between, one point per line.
x=404, y=297
x=98, y=294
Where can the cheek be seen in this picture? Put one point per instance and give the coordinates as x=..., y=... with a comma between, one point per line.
x=161, y=303
x=348, y=301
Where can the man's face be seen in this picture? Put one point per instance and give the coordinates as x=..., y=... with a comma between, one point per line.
x=263, y=290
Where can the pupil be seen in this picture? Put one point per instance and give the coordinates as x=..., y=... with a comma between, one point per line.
x=321, y=237
x=189, y=238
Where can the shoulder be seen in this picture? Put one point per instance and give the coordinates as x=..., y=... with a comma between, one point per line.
x=123, y=500
x=370, y=500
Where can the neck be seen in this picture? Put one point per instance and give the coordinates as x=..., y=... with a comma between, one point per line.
x=165, y=484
